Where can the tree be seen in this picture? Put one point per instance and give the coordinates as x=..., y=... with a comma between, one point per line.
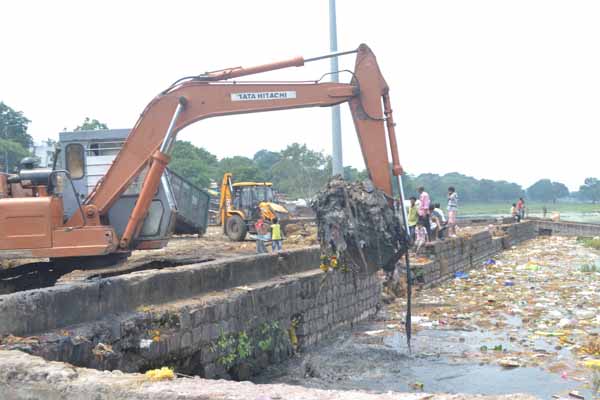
x=91, y=125
x=301, y=172
x=469, y=189
x=560, y=190
x=264, y=160
x=546, y=190
x=590, y=190
x=242, y=168
x=353, y=174
x=15, y=141
x=193, y=163
x=542, y=190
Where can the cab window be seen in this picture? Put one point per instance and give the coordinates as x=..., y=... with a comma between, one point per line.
x=74, y=157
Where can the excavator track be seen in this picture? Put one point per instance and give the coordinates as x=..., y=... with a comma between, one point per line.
x=42, y=274
x=31, y=276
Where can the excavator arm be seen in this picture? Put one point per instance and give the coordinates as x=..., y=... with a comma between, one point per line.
x=211, y=94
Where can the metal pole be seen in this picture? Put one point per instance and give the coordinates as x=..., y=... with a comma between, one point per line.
x=404, y=215
x=336, y=130
x=408, y=318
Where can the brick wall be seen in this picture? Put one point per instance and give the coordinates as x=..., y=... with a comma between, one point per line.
x=463, y=253
x=229, y=333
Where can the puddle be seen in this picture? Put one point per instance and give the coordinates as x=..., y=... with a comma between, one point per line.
x=439, y=360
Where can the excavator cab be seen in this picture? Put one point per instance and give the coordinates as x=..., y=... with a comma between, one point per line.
x=243, y=203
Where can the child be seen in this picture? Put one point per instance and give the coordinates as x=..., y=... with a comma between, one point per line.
x=515, y=213
x=276, y=237
x=434, y=224
x=420, y=236
x=261, y=236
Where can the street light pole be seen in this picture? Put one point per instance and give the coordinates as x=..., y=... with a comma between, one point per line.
x=336, y=129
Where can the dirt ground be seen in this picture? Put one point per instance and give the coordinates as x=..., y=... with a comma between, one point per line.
x=213, y=244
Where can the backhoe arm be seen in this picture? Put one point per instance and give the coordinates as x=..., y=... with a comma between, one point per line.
x=204, y=96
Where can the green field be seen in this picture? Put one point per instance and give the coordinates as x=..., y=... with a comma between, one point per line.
x=581, y=212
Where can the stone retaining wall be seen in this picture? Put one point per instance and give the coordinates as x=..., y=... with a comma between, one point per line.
x=34, y=311
x=563, y=228
x=463, y=253
x=224, y=333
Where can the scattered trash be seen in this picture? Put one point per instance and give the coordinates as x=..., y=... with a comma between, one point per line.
x=592, y=364
x=377, y=332
x=558, y=333
x=533, y=308
x=509, y=362
x=161, y=374
x=102, y=350
x=555, y=314
x=532, y=266
x=576, y=394
x=417, y=386
x=585, y=314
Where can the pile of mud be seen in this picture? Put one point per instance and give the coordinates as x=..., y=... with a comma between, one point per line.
x=358, y=225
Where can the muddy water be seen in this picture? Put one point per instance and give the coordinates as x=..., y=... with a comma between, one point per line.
x=368, y=359
x=466, y=328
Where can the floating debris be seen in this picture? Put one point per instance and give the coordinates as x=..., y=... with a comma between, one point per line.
x=546, y=318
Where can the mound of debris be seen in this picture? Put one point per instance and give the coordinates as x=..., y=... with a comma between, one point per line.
x=358, y=227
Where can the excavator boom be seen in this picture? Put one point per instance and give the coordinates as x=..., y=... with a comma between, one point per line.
x=207, y=97
x=189, y=100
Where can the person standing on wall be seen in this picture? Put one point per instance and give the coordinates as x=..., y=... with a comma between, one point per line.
x=276, y=236
x=424, y=202
x=514, y=213
x=413, y=217
x=452, y=211
x=521, y=208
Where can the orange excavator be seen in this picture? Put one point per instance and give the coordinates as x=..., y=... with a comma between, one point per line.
x=113, y=219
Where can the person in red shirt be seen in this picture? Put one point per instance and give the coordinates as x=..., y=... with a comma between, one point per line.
x=521, y=208
x=261, y=235
x=424, y=203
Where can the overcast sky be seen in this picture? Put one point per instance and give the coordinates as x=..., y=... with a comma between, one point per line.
x=495, y=89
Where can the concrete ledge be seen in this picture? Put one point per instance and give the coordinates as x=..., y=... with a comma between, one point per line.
x=41, y=310
x=463, y=253
x=565, y=228
x=24, y=377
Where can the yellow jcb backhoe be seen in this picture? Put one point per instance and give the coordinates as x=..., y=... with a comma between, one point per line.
x=243, y=203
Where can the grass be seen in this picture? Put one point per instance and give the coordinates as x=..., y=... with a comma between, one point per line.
x=533, y=208
x=589, y=242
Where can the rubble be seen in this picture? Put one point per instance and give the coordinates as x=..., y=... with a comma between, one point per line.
x=357, y=225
